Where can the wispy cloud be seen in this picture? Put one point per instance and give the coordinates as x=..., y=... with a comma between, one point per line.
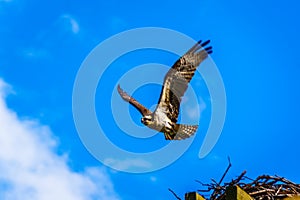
x=127, y=164
x=194, y=111
x=60, y=29
x=30, y=168
x=35, y=53
x=70, y=23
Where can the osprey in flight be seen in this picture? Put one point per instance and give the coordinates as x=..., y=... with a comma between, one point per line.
x=164, y=118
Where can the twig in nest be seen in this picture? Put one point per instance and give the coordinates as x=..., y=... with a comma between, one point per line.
x=203, y=184
x=229, y=165
x=239, y=178
x=175, y=195
x=217, y=186
x=278, y=190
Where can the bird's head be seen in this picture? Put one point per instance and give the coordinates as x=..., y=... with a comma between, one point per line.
x=147, y=119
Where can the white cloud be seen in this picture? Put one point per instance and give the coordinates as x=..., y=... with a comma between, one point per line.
x=30, y=168
x=194, y=111
x=71, y=23
x=35, y=53
x=127, y=164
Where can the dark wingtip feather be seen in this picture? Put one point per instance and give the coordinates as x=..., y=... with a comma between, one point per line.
x=209, y=52
x=205, y=43
x=199, y=42
x=208, y=48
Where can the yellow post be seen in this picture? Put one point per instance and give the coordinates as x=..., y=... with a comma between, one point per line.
x=236, y=193
x=193, y=196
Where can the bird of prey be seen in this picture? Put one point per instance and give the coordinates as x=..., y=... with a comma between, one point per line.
x=164, y=118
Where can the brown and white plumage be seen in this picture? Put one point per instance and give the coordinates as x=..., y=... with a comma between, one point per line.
x=165, y=116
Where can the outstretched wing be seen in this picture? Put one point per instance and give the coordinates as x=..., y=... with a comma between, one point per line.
x=143, y=110
x=177, y=79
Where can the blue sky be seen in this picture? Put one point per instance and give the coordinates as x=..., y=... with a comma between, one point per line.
x=43, y=44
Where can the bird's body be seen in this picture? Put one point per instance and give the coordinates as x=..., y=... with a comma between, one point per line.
x=164, y=118
x=160, y=121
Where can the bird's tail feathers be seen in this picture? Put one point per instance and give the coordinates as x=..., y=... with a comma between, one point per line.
x=183, y=132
